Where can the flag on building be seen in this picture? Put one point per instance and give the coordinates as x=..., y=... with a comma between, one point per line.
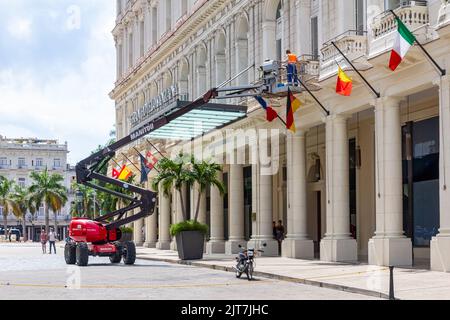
x=344, y=83
x=151, y=161
x=271, y=114
x=145, y=169
x=293, y=104
x=125, y=173
x=115, y=173
x=403, y=41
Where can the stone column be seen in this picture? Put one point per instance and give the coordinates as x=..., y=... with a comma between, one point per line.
x=337, y=245
x=178, y=212
x=269, y=37
x=303, y=19
x=137, y=228
x=164, y=222
x=440, y=245
x=389, y=246
x=216, y=243
x=236, y=210
x=297, y=243
x=151, y=233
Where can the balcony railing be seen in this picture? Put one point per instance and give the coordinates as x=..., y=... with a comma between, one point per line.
x=352, y=43
x=444, y=14
x=413, y=15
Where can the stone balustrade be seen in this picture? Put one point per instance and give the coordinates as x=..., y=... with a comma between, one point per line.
x=354, y=46
x=414, y=16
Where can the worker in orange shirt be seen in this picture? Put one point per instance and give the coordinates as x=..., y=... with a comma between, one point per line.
x=292, y=68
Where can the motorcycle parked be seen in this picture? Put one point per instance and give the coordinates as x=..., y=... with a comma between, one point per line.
x=246, y=262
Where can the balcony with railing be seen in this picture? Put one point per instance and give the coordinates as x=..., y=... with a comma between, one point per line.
x=414, y=14
x=307, y=69
x=352, y=43
x=444, y=14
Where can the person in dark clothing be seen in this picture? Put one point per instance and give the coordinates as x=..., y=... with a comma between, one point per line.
x=279, y=234
x=274, y=230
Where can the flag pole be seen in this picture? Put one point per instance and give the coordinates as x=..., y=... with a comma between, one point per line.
x=377, y=94
x=157, y=150
x=116, y=162
x=132, y=163
x=144, y=158
x=314, y=97
x=441, y=70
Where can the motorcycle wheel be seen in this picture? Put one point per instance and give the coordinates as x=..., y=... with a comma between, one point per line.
x=238, y=272
x=250, y=271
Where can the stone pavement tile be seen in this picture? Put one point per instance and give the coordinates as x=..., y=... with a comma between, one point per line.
x=411, y=283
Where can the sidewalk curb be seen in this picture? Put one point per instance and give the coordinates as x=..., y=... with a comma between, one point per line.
x=321, y=284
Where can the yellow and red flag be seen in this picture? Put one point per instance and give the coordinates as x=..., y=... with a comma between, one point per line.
x=293, y=104
x=344, y=83
x=125, y=173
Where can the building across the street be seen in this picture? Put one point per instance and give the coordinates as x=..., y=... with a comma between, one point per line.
x=21, y=156
x=367, y=180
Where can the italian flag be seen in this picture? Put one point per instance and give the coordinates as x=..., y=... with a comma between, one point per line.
x=404, y=40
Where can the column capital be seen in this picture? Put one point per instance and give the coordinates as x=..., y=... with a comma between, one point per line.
x=337, y=117
x=390, y=101
x=444, y=81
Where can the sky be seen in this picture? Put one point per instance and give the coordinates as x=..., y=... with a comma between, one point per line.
x=57, y=66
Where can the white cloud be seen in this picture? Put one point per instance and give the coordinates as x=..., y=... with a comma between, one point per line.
x=72, y=106
x=20, y=28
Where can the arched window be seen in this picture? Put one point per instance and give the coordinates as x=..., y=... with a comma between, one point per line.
x=279, y=32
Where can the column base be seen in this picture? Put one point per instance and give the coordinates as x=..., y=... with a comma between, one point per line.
x=232, y=246
x=297, y=249
x=390, y=252
x=150, y=244
x=139, y=244
x=215, y=246
x=163, y=245
x=338, y=250
x=271, y=250
x=440, y=253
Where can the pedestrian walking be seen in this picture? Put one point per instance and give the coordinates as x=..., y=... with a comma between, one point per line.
x=280, y=234
x=44, y=239
x=52, y=239
x=274, y=229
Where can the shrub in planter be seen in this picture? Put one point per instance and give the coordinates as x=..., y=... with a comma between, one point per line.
x=190, y=236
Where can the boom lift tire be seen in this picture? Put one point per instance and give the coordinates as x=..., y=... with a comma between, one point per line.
x=117, y=257
x=82, y=254
x=70, y=253
x=129, y=253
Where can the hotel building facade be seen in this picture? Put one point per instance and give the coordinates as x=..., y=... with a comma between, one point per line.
x=368, y=181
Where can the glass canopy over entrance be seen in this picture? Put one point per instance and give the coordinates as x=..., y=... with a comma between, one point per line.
x=199, y=121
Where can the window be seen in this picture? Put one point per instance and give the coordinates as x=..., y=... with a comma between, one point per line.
x=57, y=163
x=168, y=15
x=391, y=4
x=21, y=182
x=39, y=162
x=21, y=163
x=3, y=161
x=41, y=212
x=314, y=37
x=130, y=50
x=360, y=16
x=279, y=33
x=154, y=25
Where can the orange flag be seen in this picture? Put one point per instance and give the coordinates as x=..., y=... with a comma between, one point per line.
x=344, y=84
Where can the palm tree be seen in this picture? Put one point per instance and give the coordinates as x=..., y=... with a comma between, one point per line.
x=25, y=203
x=47, y=190
x=173, y=173
x=204, y=173
x=7, y=201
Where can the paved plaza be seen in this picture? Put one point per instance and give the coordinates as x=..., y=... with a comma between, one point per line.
x=25, y=273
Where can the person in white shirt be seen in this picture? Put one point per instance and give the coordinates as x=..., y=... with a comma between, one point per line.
x=52, y=239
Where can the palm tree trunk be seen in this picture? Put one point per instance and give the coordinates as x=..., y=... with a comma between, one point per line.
x=56, y=222
x=47, y=217
x=183, y=209
x=5, y=224
x=197, y=209
x=24, y=229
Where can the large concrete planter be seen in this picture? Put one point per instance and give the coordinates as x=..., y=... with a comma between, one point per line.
x=126, y=237
x=190, y=245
